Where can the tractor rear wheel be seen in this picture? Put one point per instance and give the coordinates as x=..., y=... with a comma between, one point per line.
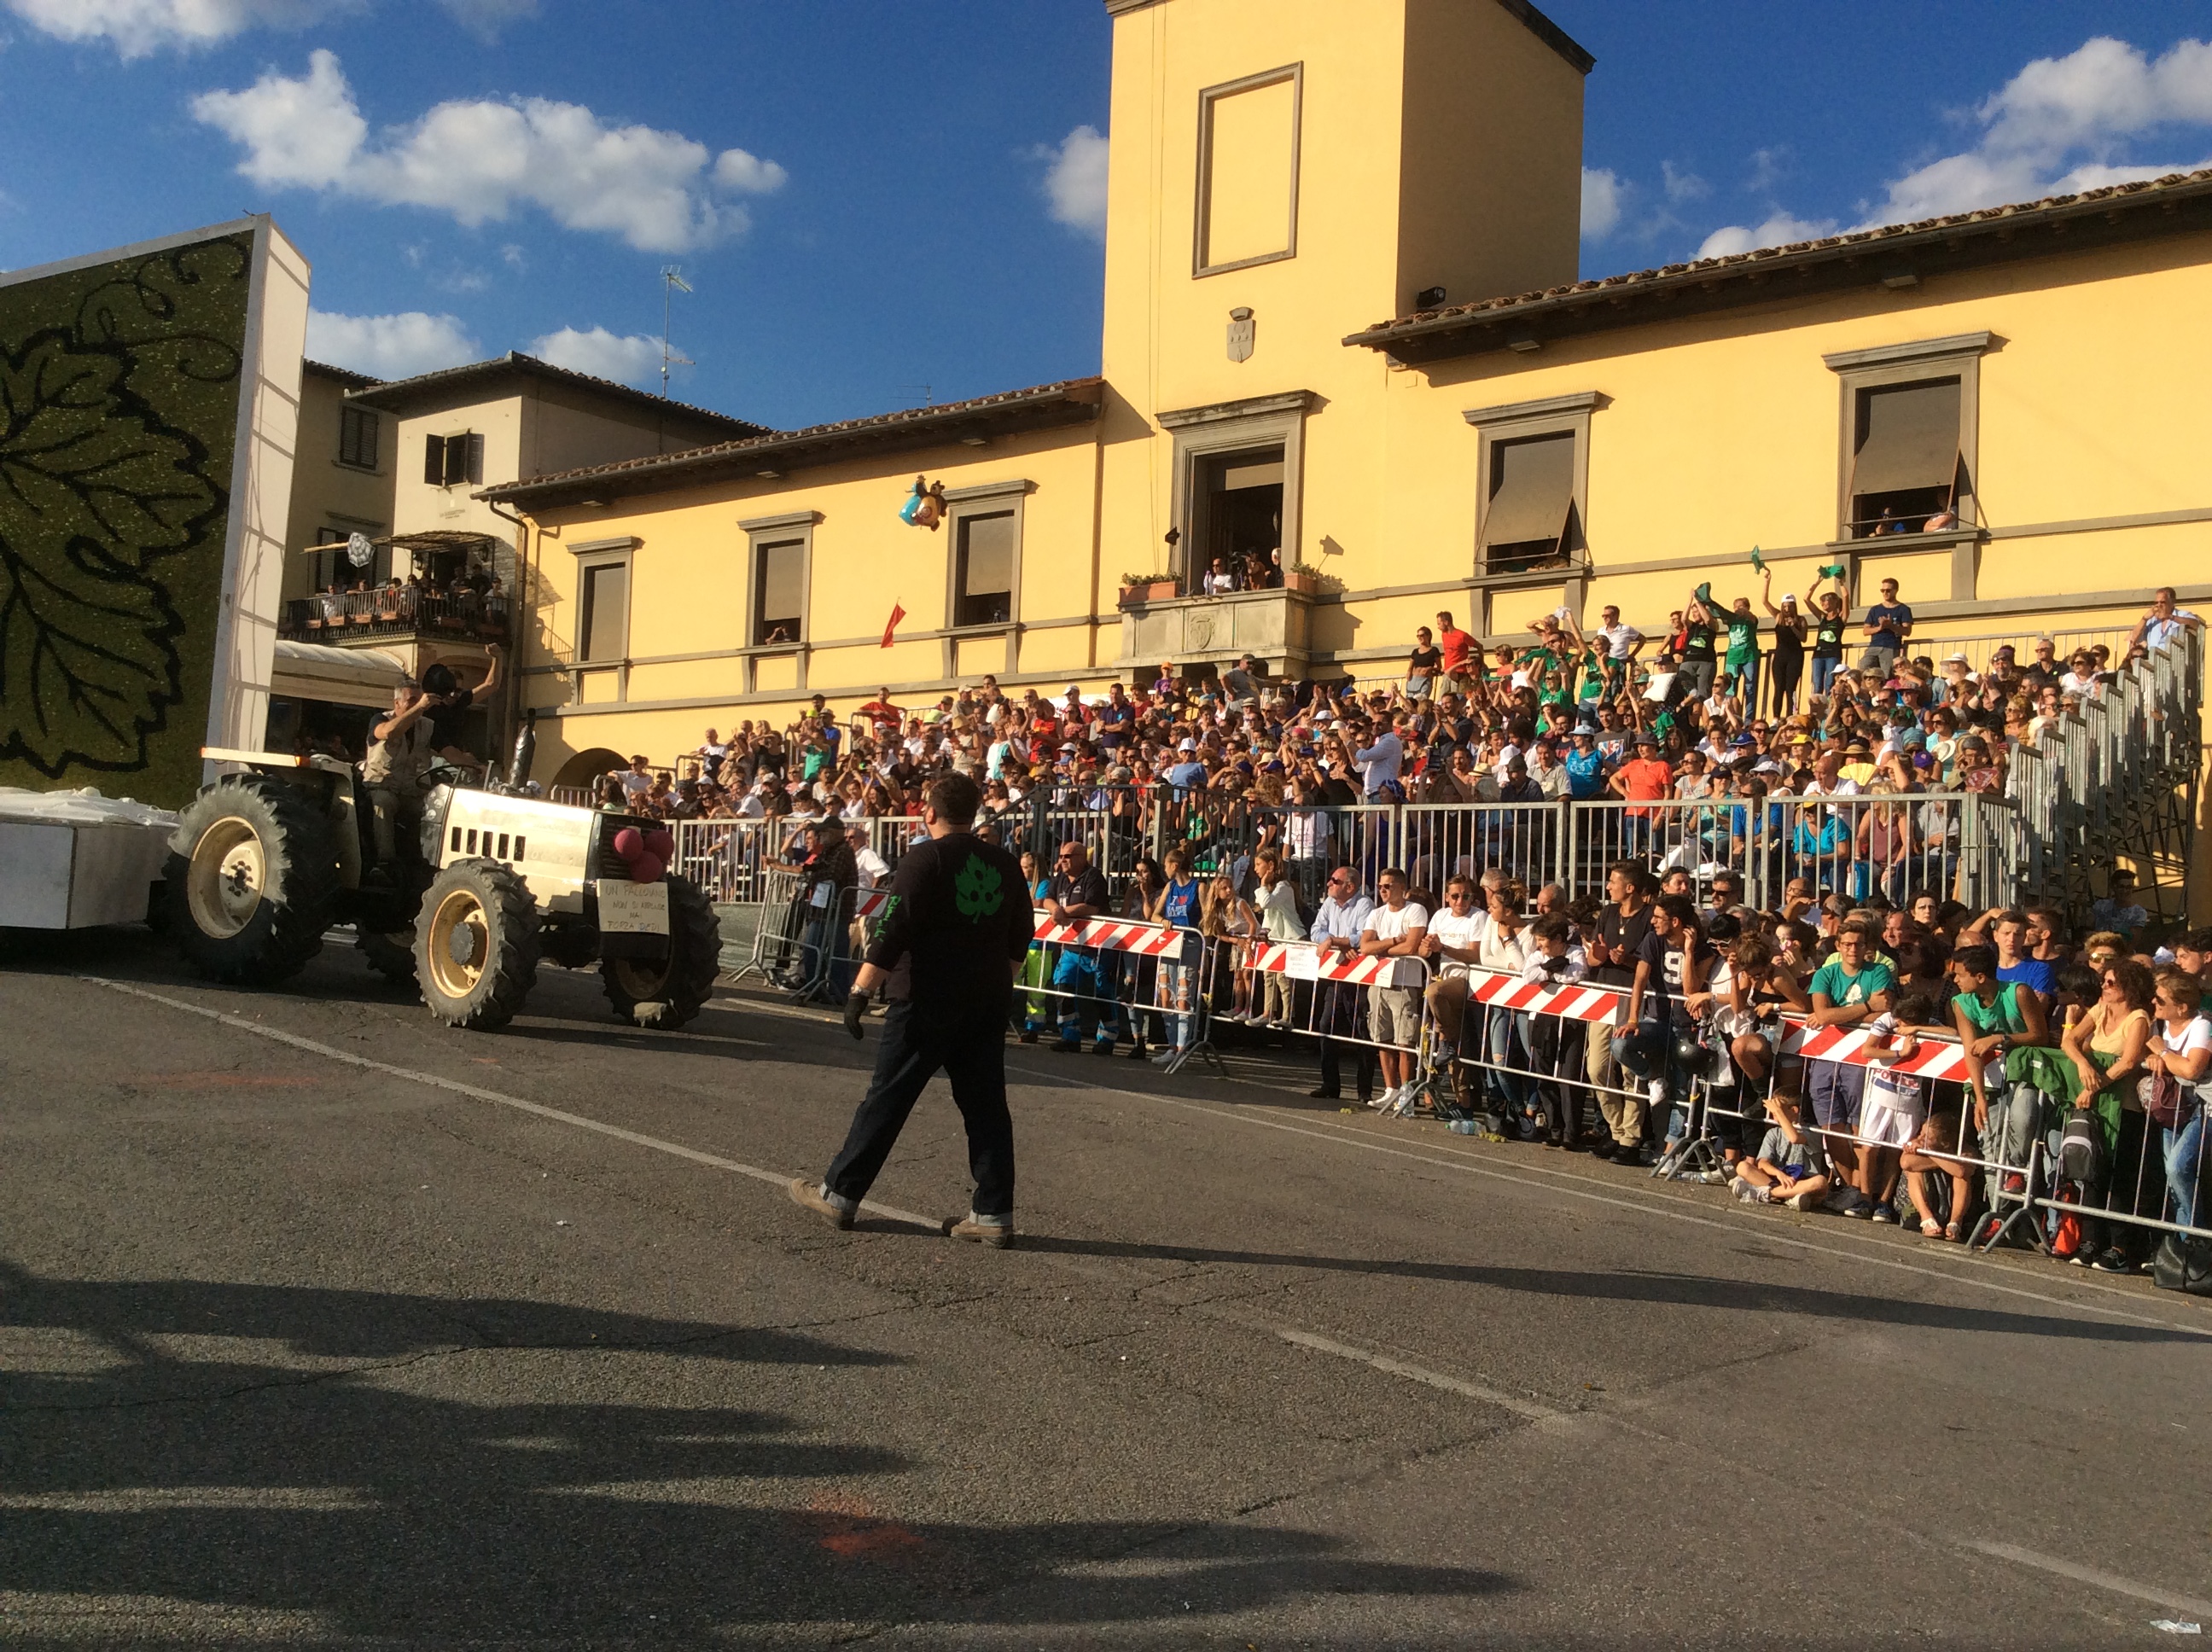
x=476, y=945
x=251, y=882
x=665, y=995
x=392, y=957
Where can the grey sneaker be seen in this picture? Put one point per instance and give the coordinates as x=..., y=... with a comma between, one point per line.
x=997, y=1235
x=1804, y=1202
x=809, y=1195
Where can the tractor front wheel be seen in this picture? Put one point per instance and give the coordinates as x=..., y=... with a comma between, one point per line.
x=476, y=945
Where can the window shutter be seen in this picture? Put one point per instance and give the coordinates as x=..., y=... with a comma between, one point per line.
x=1908, y=438
x=369, y=435
x=781, y=569
x=475, y=460
x=987, y=555
x=434, y=461
x=1532, y=488
x=606, y=612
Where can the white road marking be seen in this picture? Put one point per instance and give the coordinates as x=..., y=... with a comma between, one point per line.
x=2095, y=1579
x=1643, y=1207
x=476, y=1092
x=1519, y=1407
x=141, y=1500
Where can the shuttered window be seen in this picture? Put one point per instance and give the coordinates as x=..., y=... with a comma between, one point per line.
x=986, y=569
x=1905, y=455
x=1532, y=496
x=453, y=461
x=358, y=431
x=780, y=591
x=606, y=612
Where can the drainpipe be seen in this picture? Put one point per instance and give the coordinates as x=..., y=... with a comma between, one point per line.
x=511, y=711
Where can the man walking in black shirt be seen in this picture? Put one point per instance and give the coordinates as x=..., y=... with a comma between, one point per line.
x=955, y=932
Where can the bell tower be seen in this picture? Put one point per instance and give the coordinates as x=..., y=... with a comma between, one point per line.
x=1283, y=174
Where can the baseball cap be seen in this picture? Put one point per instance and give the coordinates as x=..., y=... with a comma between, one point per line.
x=1188, y=744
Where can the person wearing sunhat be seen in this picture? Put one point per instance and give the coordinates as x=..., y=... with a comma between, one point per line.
x=1858, y=763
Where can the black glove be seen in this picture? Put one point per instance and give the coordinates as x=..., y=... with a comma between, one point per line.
x=856, y=1011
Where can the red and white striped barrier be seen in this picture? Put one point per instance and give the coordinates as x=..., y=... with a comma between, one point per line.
x=1143, y=940
x=870, y=902
x=1933, y=1060
x=1573, y=1001
x=1304, y=961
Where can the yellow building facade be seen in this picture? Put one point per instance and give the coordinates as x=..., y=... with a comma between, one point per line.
x=1342, y=323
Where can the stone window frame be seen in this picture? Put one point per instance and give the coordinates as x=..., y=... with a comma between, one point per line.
x=1204, y=433
x=760, y=533
x=1550, y=416
x=1902, y=364
x=1295, y=73
x=984, y=499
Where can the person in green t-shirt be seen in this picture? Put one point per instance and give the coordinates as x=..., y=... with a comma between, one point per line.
x=1851, y=986
x=1994, y=1017
x=1742, y=662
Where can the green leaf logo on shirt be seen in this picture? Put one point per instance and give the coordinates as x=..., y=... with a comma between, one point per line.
x=979, y=890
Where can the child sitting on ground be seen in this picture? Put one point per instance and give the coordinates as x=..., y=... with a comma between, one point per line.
x=1790, y=1166
x=1930, y=1156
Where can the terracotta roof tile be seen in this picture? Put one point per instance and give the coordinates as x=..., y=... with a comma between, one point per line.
x=1381, y=331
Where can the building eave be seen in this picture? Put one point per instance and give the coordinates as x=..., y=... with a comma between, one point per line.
x=987, y=418
x=472, y=382
x=1578, y=57
x=1898, y=256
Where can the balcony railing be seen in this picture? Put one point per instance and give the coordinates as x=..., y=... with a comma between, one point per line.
x=344, y=617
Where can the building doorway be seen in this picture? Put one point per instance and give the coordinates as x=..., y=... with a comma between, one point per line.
x=1238, y=513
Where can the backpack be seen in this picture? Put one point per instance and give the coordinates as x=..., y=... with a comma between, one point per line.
x=2184, y=1263
x=2081, y=1150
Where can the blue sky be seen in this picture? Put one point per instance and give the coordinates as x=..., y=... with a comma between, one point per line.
x=881, y=200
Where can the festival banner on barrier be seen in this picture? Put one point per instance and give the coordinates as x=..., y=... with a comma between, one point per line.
x=1575, y=1001
x=1932, y=1060
x=1304, y=961
x=1143, y=940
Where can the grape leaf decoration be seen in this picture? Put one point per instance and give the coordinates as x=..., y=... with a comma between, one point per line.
x=978, y=889
x=93, y=486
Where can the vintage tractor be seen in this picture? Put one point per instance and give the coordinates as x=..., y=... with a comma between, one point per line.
x=274, y=854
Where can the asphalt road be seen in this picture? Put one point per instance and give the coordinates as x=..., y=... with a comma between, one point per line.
x=319, y=1325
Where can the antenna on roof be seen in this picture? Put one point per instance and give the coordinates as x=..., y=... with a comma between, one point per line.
x=672, y=277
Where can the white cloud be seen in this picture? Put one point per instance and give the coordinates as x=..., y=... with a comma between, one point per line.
x=1683, y=184
x=478, y=160
x=1769, y=168
x=1604, y=197
x=1779, y=230
x=485, y=18
x=138, y=27
x=2081, y=109
x=1075, y=186
x=627, y=360
x=389, y=346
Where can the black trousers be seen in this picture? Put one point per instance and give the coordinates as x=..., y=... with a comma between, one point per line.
x=971, y=1052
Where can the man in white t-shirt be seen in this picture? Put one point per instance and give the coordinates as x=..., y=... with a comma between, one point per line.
x=1381, y=763
x=1395, y=929
x=1622, y=644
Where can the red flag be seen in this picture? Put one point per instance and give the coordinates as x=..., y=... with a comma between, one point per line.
x=892, y=624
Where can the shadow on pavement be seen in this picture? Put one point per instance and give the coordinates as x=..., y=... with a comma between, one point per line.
x=238, y=1448
x=1669, y=1290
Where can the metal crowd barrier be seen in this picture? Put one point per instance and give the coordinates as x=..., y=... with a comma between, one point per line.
x=1103, y=970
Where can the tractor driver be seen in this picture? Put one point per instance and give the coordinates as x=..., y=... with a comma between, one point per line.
x=399, y=751
x=449, y=706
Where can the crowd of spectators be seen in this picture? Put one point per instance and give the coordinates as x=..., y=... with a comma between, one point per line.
x=1589, y=715
x=1605, y=713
